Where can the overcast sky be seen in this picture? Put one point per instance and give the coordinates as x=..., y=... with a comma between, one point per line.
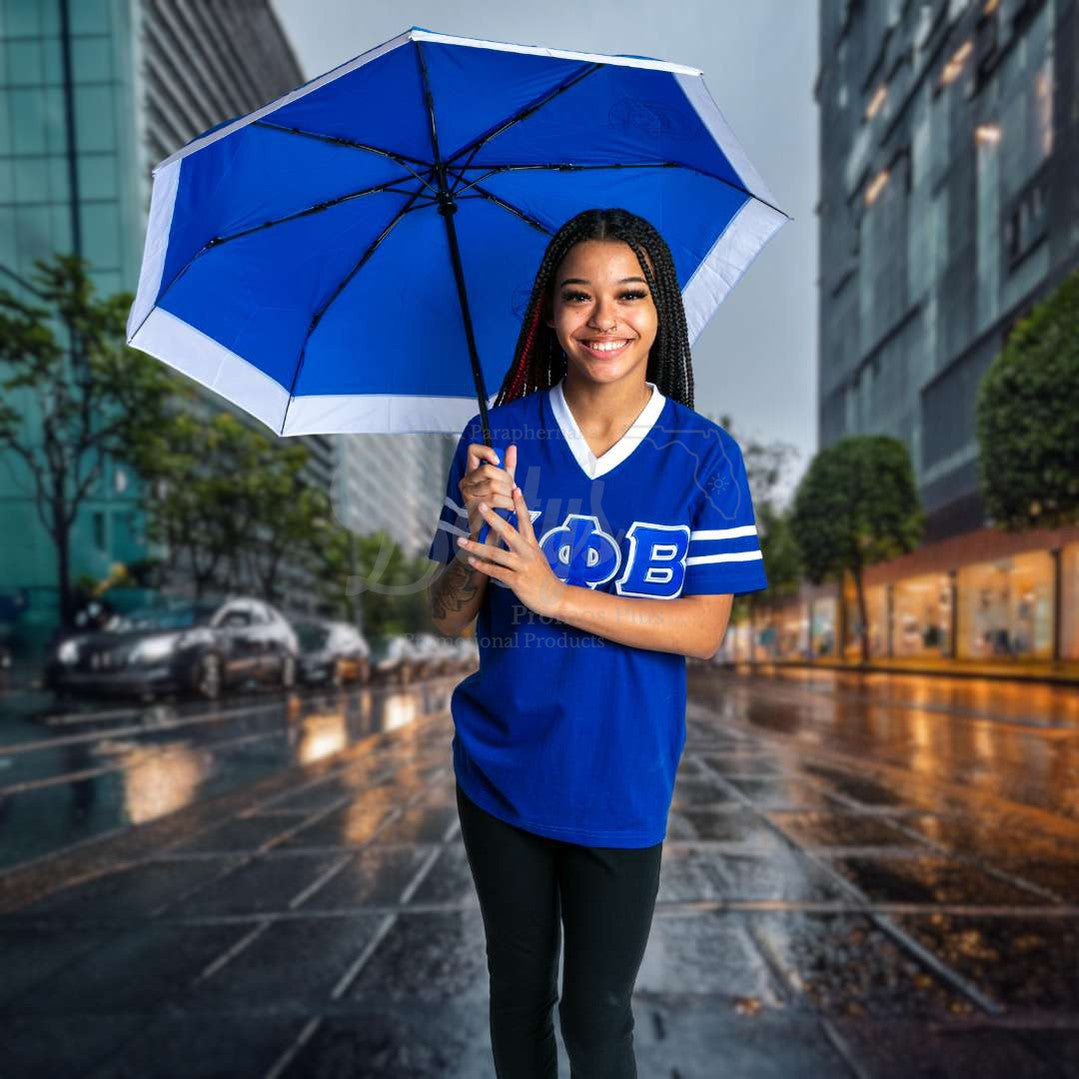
x=756, y=360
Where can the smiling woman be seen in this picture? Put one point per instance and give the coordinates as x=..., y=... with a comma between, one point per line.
x=634, y=527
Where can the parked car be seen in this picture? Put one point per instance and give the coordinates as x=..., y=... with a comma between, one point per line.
x=393, y=659
x=432, y=654
x=466, y=652
x=201, y=648
x=332, y=653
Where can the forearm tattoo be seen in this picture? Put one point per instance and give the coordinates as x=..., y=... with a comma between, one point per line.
x=455, y=589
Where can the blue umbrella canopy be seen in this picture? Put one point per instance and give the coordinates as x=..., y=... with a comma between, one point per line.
x=357, y=255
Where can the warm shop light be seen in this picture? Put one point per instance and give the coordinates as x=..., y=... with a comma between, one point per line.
x=876, y=185
x=876, y=101
x=954, y=67
x=987, y=134
x=1043, y=90
x=990, y=6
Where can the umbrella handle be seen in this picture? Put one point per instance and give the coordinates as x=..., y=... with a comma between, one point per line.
x=504, y=513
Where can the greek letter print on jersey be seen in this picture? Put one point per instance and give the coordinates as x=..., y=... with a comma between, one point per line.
x=563, y=732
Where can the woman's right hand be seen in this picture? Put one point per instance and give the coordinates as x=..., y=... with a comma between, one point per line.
x=485, y=481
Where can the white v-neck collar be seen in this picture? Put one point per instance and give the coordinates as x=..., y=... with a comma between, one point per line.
x=591, y=465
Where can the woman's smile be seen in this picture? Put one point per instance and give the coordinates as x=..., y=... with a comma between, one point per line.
x=602, y=348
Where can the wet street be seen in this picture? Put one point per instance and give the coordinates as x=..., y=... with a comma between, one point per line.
x=864, y=875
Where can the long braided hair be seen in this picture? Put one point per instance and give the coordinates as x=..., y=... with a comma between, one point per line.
x=539, y=361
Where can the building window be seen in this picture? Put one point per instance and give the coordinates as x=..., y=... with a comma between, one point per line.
x=1026, y=223
x=985, y=47
x=922, y=616
x=987, y=243
x=847, y=11
x=1006, y=607
x=876, y=101
x=954, y=65
x=875, y=186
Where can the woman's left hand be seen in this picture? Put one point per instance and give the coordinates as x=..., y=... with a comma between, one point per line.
x=520, y=564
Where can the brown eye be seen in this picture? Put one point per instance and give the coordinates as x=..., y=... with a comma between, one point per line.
x=572, y=297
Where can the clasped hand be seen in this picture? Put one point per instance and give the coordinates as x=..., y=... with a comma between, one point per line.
x=521, y=564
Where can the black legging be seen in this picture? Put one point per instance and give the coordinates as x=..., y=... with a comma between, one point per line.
x=605, y=897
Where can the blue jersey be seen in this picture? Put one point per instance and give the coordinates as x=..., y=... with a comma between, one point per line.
x=566, y=733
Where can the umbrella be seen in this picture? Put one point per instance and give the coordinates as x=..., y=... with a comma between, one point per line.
x=357, y=255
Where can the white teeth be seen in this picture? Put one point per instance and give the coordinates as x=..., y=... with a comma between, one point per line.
x=606, y=346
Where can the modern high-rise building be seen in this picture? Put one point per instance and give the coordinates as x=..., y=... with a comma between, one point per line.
x=93, y=93
x=949, y=206
x=392, y=483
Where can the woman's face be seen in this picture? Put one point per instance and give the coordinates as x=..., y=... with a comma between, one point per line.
x=600, y=295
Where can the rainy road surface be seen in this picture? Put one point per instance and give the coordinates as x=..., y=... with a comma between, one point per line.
x=863, y=876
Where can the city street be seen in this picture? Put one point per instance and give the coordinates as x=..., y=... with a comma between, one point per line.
x=864, y=876
x=348, y=352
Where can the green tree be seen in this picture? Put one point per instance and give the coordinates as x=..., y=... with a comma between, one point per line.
x=68, y=366
x=187, y=496
x=274, y=507
x=766, y=464
x=330, y=553
x=392, y=585
x=230, y=504
x=1028, y=419
x=856, y=505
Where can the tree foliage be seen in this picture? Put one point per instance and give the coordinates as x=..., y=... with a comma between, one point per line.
x=74, y=395
x=856, y=505
x=1028, y=419
x=766, y=463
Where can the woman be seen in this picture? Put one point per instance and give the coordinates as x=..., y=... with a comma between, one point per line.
x=568, y=737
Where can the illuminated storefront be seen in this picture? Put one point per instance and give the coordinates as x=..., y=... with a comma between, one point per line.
x=793, y=631
x=782, y=632
x=922, y=616
x=983, y=596
x=822, y=625
x=737, y=641
x=1069, y=601
x=1006, y=607
x=1010, y=603
x=876, y=608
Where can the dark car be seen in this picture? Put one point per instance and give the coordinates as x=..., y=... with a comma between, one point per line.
x=332, y=653
x=393, y=659
x=188, y=647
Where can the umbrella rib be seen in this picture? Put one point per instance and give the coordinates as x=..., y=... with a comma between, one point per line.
x=563, y=167
x=523, y=114
x=317, y=317
x=516, y=210
x=218, y=241
x=340, y=140
x=568, y=167
x=318, y=207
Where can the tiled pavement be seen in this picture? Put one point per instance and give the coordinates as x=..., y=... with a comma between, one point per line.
x=812, y=921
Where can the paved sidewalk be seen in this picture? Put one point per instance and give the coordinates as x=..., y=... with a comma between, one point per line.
x=323, y=922
x=1061, y=673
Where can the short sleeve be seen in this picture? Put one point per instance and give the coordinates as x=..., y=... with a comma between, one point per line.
x=453, y=518
x=724, y=553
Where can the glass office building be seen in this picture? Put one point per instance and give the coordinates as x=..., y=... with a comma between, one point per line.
x=949, y=152
x=93, y=93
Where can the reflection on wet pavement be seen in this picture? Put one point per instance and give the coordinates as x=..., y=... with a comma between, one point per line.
x=71, y=776
x=861, y=877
